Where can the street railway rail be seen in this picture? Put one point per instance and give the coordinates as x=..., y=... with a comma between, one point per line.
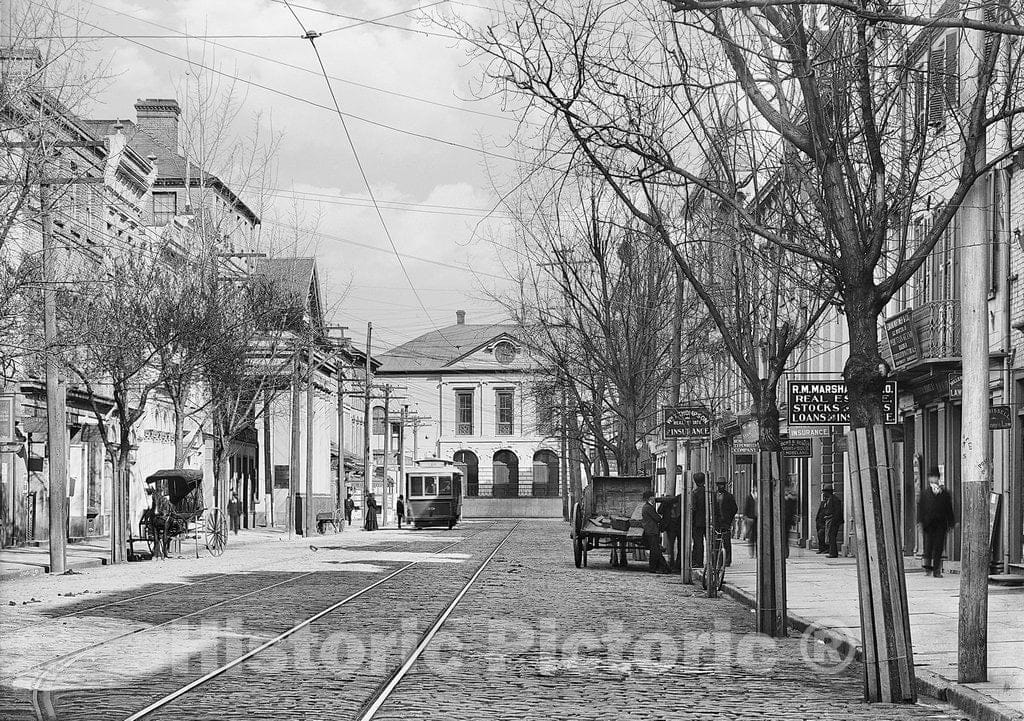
x=47, y=704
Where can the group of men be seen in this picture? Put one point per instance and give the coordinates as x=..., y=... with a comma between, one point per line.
x=934, y=513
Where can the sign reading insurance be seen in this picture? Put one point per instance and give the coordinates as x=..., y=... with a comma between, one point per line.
x=687, y=422
x=820, y=403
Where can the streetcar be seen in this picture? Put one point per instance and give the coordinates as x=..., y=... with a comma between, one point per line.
x=433, y=493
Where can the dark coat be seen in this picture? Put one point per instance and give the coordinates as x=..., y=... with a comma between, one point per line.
x=935, y=510
x=750, y=506
x=831, y=508
x=350, y=505
x=724, y=510
x=234, y=508
x=400, y=507
x=698, y=507
x=790, y=511
x=651, y=520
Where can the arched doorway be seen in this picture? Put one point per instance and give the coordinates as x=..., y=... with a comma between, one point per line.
x=545, y=474
x=471, y=468
x=506, y=475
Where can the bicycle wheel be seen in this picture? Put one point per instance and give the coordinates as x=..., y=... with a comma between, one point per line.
x=216, y=533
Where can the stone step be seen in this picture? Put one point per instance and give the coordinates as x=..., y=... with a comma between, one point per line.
x=1006, y=579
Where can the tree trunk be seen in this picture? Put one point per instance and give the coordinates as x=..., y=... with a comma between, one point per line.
x=179, y=434
x=771, y=532
x=885, y=623
x=120, y=508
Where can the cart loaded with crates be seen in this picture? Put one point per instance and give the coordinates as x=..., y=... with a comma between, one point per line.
x=608, y=517
x=177, y=512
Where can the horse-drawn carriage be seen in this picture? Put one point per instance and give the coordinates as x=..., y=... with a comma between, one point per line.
x=177, y=512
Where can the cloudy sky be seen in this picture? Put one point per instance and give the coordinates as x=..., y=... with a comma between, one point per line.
x=401, y=71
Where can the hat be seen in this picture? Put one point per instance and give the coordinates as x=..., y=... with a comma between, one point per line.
x=721, y=481
x=934, y=471
x=698, y=478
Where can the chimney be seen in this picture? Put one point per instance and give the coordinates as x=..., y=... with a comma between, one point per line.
x=159, y=118
x=460, y=317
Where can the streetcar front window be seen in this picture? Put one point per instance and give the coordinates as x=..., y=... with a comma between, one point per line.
x=444, y=487
x=416, y=485
x=429, y=485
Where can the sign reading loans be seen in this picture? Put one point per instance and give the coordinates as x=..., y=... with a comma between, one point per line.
x=821, y=403
x=687, y=423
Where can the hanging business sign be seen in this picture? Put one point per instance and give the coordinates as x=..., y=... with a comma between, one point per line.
x=1000, y=418
x=903, y=340
x=810, y=432
x=819, y=403
x=690, y=423
x=796, y=447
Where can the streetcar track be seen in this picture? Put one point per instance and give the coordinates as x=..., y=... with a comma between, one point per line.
x=169, y=698
x=372, y=705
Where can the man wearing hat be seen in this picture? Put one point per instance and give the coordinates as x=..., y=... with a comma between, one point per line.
x=827, y=522
x=935, y=514
x=651, y=521
x=723, y=511
x=698, y=520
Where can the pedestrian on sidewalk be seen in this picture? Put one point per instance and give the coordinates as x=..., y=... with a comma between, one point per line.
x=750, y=514
x=370, y=522
x=828, y=521
x=350, y=506
x=673, y=511
x=698, y=520
x=234, y=512
x=400, y=511
x=790, y=512
x=935, y=513
x=651, y=521
x=723, y=512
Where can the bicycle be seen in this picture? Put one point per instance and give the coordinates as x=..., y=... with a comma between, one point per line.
x=714, y=573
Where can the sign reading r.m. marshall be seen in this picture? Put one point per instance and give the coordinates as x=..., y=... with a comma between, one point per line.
x=820, y=403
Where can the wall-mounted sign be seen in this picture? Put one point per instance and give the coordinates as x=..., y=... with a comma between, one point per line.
x=687, y=423
x=1000, y=418
x=818, y=403
x=6, y=419
x=903, y=342
x=956, y=385
x=810, y=432
x=796, y=447
x=744, y=449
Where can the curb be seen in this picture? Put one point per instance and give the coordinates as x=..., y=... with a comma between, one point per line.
x=977, y=705
x=43, y=569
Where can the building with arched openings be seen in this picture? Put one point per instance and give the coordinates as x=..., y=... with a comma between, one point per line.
x=472, y=393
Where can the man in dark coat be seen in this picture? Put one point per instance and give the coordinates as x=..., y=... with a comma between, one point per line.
x=234, y=512
x=828, y=521
x=400, y=510
x=651, y=521
x=790, y=512
x=723, y=511
x=671, y=516
x=698, y=520
x=935, y=513
x=350, y=506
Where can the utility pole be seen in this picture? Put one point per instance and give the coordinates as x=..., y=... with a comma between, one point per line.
x=563, y=466
x=56, y=412
x=975, y=438
x=401, y=448
x=367, y=469
x=387, y=452
x=309, y=522
x=341, y=433
x=293, y=463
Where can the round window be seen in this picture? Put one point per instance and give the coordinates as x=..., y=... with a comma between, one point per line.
x=505, y=352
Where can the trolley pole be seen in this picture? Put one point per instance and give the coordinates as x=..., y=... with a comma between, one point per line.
x=307, y=507
x=387, y=452
x=293, y=464
x=367, y=470
x=401, y=449
x=341, y=432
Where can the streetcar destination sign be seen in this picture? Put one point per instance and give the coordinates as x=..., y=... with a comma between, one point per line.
x=820, y=403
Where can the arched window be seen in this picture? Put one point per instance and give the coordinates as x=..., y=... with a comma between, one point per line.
x=470, y=465
x=545, y=473
x=506, y=475
x=378, y=421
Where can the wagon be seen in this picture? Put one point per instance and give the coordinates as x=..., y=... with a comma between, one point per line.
x=603, y=518
x=177, y=511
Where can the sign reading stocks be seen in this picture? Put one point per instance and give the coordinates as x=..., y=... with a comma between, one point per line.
x=827, y=403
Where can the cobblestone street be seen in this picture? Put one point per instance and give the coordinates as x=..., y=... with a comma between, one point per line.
x=532, y=637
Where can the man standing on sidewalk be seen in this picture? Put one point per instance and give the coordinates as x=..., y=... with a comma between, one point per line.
x=827, y=521
x=723, y=512
x=935, y=512
x=698, y=520
x=651, y=520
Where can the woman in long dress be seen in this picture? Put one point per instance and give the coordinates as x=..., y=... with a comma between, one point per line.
x=370, y=523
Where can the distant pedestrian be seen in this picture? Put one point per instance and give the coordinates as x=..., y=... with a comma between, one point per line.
x=370, y=521
x=790, y=513
x=234, y=512
x=671, y=514
x=350, y=506
x=698, y=520
x=750, y=515
x=935, y=514
x=827, y=522
x=723, y=512
x=400, y=510
x=651, y=521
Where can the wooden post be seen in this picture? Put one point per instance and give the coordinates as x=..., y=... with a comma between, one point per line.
x=771, y=615
x=268, y=463
x=309, y=524
x=400, y=486
x=296, y=440
x=340, y=500
x=888, y=657
x=387, y=452
x=367, y=453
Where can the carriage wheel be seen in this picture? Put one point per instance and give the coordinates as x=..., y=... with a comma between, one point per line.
x=577, y=551
x=586, y=547
x=216, y=533
x=148, y=533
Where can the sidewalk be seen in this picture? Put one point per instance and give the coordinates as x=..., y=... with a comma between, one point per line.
x=823, y=591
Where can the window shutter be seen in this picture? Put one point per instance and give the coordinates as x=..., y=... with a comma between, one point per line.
x=936, y=86
x=953, y=69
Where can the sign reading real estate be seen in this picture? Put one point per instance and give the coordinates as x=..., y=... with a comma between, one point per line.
x=819, y=403
x=7, y=419
x=690, y=423
x=902, y=337
x=796, y=447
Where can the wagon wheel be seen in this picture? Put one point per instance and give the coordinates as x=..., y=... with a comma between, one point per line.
x=147, y=532
x=586, y=546
x=577, y=551
x=216, y=533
